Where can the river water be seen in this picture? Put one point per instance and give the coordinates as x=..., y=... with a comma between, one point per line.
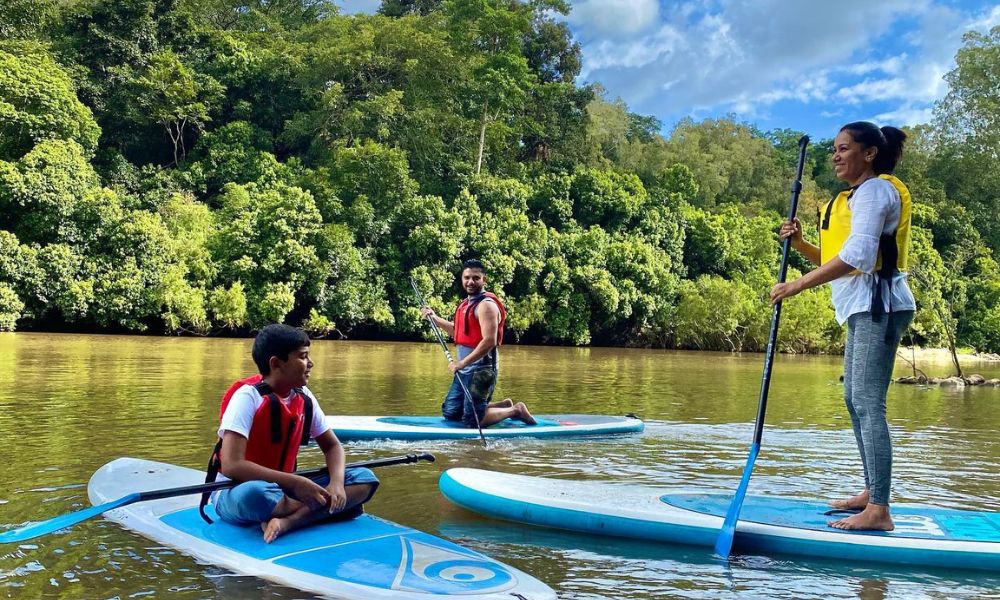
x=70, y=403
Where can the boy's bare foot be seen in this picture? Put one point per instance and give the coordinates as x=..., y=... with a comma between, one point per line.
x=505, y=403
x=524, y=415
x=856, y=502
x=273, y=528
x=874, y=517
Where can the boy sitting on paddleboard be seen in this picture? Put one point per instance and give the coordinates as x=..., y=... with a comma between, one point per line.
x=263, y=421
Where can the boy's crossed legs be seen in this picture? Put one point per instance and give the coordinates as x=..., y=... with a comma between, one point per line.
x=265, y=503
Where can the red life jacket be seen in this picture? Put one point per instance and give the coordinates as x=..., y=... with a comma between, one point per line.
x=277, y=431
x=467, y=330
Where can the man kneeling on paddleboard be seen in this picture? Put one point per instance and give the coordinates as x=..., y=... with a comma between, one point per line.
x=478, y=333
x=263, y=421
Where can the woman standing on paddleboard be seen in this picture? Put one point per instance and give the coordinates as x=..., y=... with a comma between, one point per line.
x=864, y=244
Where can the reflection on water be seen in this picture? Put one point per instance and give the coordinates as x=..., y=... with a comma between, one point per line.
x=68, y=404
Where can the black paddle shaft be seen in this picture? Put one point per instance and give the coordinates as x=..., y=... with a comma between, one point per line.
x=437, y=332
x=772, y=338
x=205, y=488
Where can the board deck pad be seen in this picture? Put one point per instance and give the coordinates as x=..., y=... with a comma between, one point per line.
x=367, y=551
x=442, y=422
x=911, y=522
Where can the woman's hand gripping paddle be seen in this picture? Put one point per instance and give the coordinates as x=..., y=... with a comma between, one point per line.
x=724, y=544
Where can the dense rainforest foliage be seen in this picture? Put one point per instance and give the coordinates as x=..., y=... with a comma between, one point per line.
x=208, y=166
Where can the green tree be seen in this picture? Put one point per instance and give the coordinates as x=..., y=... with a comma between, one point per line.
x=606, y=197
x=266, y=238
x=968, y=124
x=401, y=8
x=38, y=102
x=489, y=33
x=10, y=307
x=176, y=97
x=25, y=19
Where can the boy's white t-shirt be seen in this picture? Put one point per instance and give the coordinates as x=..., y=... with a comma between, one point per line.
x=245, y=403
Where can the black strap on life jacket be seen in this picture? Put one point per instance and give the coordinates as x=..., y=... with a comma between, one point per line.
x=890, y=257
x=211, y=472
x=215, y=460
x=825, y=223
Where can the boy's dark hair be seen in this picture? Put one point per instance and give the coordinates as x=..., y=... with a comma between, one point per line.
x=276, y=340
x=888, y=140
x=474, y=263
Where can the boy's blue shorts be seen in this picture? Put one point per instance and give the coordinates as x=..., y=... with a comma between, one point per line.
x=254, y=501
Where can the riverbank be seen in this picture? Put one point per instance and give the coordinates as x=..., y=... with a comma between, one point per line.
x=921, y=360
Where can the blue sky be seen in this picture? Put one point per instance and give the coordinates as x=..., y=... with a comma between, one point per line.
x=808, y=65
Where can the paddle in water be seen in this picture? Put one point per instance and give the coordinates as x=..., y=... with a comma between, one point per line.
x=724, y=544
x=61, y=522
x=451, y=359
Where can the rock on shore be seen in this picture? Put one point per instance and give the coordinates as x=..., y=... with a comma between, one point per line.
x=974, y=379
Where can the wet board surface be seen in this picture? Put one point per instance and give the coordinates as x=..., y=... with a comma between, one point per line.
x=350, y=428
x=363, y=558
x=924, y=536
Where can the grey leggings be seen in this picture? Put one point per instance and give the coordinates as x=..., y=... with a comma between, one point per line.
x=868, y=362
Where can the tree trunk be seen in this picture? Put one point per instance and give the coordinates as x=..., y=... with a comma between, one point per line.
x=951, y=341
x=168, y=126
x=482, y=137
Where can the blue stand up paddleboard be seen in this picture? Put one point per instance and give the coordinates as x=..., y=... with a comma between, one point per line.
x=924, y=536
x=351, y=428
x=365, y=558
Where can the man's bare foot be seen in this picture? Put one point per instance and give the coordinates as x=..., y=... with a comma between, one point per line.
x=856, y=502
x=505, y=403
x=524, y=415
x=875, y=517
x=273, y=528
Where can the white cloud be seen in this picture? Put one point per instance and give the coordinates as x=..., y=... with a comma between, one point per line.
x=889, y=66
x=632, y=54
x=614, y=19
x=873, y=90
x=906, y=115
x=988, y=20
x=748, y=52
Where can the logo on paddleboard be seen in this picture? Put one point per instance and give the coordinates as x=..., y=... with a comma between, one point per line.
x=437, y=570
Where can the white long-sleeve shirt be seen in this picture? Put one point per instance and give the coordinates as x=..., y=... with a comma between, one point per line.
x=875, y=208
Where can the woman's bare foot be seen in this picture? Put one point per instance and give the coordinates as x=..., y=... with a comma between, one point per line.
x=505, y=403
x=524, y=415
x=856, y=502
x=875, y=517
x=273, y=528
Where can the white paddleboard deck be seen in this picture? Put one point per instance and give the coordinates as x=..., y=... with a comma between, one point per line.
x=365, y=558
x=353, y=428
x=923, y=536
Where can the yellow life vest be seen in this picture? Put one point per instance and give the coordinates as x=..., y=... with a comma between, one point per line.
x=835, y=227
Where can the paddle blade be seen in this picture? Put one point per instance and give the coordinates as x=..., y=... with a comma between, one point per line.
x=724, y=544
x=62, y=521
